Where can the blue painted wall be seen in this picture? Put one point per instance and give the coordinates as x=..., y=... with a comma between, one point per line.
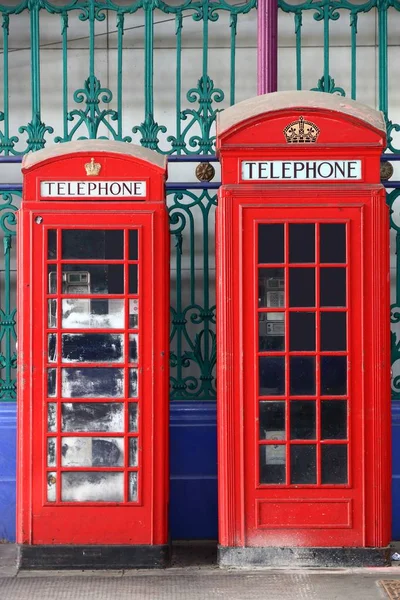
x=7, y=470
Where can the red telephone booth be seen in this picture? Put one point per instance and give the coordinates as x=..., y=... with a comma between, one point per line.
x=303, y=333
x=93, y=324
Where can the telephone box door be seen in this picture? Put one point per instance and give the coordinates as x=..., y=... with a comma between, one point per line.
x=94, y=411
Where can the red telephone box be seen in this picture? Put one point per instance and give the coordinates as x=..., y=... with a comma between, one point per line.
x=303, y=333
x=93, y=310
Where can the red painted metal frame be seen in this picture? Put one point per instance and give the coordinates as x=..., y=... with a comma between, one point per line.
x=144, y=521
x=356, y=514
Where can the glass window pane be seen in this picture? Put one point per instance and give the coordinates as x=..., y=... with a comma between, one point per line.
x=303, y=463
x=302, y=420
x=302, y=375
x=52, y=314
x=301, y=242
x=334, y=419
x=271, y=331
x=301, y=287
x=52, y=347
x=93, y=314
x=133, y=383
x=52, y=382
x=51, y=416
x=51, y=452
x=92, y=452
x=92, y=382
x=334, y=463
x=93, y=279
x=273, y=463
x=332, y=242
x=92, y=487
x=133, y=487
x=271, y=288
x=133, y=279
x=133, y=417
x=133, y=452
x=133, y=347
x=133, y=244
x=51, y=244
x=92, y=416
x=272, y=375
x=302, y=331
x=133, y=313
x=333, y=286
x=272, y=420
x=333, y=331
x=93, y=243
x=51, y=487
x=92, y=347
x=52, y=278
x=333, y=375
x=270, y=243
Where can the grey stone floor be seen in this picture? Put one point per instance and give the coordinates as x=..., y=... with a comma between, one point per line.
x=192, y=577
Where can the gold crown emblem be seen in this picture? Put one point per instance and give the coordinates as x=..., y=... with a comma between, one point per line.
x=301, y=132
x=92, y=168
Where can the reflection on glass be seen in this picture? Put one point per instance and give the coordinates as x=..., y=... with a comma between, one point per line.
x=133, y=347
x=334, y=419
x=271, y=288
x=92, y=452
x=92, y=243
x=92, y=347
x=51, y=452
x=92, y=487
x=93, y=314
x=133, y=279
x=51, y=244
x=92, y=382
x=51, y=487
x=93, y=279
x=133, y=313
x=270, y=243
x=302, y=331
x=332, y=243
x=52, y=278
x=334, y=463
x=301, y=242
x=133, y=383
x=273, y=463
x=272, y=420
x=51, y=417
x=333, y=331
x=133, y=487
x=333, y=286
x=52, y=314
x=301, y=287
x=302, y=420
x=272, y=375
x=133, y=244
x=92, y=416
x=52, y=347
x=302, y=375
x=303, y=463
x=271, y=331
x=133, y=452
x=51, y=382
x=333, y=375
x=133, y=417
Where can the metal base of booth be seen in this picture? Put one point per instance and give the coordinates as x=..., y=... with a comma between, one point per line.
x=303, y=557
x=93, y=557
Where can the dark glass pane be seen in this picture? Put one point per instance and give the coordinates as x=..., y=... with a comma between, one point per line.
x=302, y=331
x=133, y=416
x=272, y=375
x=302, y=420
x=334, y=463
x=301, y=287
x=302, y=375
x=270, y=243
x=334, y=419
x=333, y=375
x=271, y=331
x=92, y=416
x=51, y=243
x=273, y=464
x=271, y=288
x=93, y=279
x=92, y=243
x=332, y=243
x=303, y=463
x=133, y=279
x=52, y=279
x=92, y=382
x=333, y=287
x=272, y=420
x=133, y=347
x=52, y=347
x=51, y=382
x=92, y=347
x=302, y=243
x=333, y=331
x=133, y=244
